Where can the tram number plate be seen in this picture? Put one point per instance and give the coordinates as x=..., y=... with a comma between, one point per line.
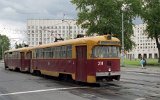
x=100, y=63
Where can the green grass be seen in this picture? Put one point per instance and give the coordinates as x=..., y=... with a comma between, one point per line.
x=136, y=62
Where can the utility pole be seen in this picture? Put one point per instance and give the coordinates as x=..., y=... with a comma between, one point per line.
x=124, y=8
x=122, y=41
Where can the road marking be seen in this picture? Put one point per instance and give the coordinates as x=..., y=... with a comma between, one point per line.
x=140, y=99
x=44, y=90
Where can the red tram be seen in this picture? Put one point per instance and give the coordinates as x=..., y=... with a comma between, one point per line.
x=18, y=59
x=90, y=59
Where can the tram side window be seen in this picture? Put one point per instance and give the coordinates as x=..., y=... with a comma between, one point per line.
x=10, y=55
x=6, y=56
x=39, y=53
x=59, y=52
x=53, y=52
x=63, y=52
x=36, y=54
x=28, y=55
x=15, y=55
x=47, y=53
x=56, y=52
x=69, y=51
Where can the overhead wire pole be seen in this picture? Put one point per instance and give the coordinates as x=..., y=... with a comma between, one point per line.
x=122, y=40
x=124, y=8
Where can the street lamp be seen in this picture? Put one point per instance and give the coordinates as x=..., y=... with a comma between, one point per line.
x=124, y=8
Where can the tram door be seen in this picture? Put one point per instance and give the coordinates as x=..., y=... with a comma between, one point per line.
x=81, y=70
x=22, y=55
x=28, y=57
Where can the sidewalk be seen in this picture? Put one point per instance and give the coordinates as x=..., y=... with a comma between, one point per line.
x=148, y=69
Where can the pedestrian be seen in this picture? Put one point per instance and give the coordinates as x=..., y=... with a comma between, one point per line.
x=142, y=63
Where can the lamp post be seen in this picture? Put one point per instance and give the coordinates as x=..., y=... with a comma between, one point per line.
x=122, y=41
x=124, y=8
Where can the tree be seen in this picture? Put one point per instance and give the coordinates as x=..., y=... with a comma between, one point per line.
x=151, y=16
x=104, y=16
x=4, y=44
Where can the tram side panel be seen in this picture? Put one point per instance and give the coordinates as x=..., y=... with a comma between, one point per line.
x=53, y=67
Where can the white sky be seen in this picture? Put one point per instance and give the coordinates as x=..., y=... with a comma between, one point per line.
x=14, y=14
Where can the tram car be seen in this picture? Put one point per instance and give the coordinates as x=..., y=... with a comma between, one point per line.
x=18, y=59
x=90, y=59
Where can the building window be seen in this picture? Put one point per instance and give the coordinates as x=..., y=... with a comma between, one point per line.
x=32, y=27
x=40, y=27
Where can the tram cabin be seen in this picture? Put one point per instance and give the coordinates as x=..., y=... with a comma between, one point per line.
x=90, y=59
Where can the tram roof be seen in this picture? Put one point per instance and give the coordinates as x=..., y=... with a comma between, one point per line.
x=20, y=49
x=85, y=40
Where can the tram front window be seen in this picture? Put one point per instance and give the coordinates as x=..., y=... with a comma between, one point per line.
x=105, y=52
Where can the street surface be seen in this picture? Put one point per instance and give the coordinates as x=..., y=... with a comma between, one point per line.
x=135, y=84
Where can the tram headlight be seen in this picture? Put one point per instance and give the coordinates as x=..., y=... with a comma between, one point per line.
x=109, y=69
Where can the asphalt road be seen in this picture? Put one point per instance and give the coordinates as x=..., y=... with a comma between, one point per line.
x=23, y=86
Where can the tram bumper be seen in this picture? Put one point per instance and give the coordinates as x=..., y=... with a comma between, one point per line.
x=107, y=76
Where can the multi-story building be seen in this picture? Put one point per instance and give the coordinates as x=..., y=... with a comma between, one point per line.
x=145, y=47
x=42, y=31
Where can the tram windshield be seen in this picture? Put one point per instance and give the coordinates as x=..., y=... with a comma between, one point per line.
x=105, y=52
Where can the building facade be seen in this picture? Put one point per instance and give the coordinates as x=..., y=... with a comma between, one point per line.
x=145, y=47
x=42, y=31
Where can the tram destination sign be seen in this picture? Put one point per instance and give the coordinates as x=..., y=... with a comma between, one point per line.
x=109, y=43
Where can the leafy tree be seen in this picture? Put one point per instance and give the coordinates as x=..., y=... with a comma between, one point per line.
x=151, y=16
x=104, y=16
x=4, y=44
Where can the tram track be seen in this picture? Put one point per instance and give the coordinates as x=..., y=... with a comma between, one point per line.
x=140, y=82
x=133, y=87
x=154, y=74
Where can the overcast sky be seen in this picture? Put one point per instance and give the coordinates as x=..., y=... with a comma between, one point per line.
x=14, y=13
x=20, y=10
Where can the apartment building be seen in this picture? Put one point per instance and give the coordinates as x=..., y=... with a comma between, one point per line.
x=145, y=47
x=42, y=31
